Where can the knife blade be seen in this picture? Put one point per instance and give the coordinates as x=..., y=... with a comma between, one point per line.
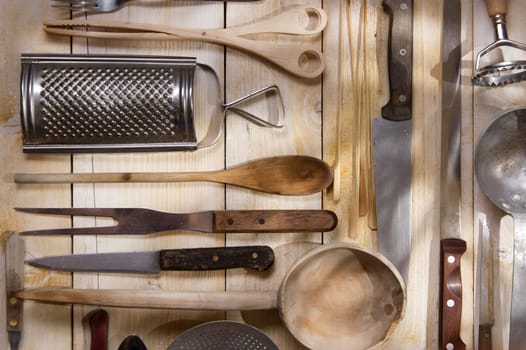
x=153, y=262
x=486, y=288
x=452, y=247
x=14, y=266
x=392, y=142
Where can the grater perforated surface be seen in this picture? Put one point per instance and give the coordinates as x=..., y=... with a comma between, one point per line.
x=108, y=103
x=223, y=335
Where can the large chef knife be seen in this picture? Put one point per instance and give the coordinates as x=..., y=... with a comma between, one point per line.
x=392, y=142
x=452, y=247
x=14, y=266
x=153, y=262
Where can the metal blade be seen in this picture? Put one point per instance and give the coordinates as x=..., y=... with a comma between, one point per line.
x=392, y=162
x=134, y=262
x=486, y=287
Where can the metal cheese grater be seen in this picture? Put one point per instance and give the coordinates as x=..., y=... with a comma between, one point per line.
x=78, y=103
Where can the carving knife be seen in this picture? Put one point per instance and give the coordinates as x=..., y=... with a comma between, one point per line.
x=14, y=265
x=452, y=247
x=392, y=142
x=153, y=262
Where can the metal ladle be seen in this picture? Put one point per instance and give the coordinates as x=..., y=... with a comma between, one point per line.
x=500, y=168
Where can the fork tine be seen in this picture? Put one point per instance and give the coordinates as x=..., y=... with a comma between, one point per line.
x=107, y=212
x=104, y=230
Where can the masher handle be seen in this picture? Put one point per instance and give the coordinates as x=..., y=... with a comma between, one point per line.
x=496, y=7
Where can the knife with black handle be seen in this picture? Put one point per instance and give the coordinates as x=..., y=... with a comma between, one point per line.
x=259, y=258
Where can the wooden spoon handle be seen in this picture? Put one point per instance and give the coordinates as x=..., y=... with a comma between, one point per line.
x=496, y=7
x=155, y=299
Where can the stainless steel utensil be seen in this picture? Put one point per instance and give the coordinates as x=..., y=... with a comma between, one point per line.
x=485, y=271
x=304, y=60
x=504, y=72
x=144, y=221
x=500, y=168
x=259, y=258
x=93, y=6
x=339, y=296
x=392, y=142
x=223, y=335
x=90, y=103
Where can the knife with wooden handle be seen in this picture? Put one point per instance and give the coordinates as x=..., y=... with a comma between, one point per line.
x=392, y=142
x=14, y=265
x=451, y=309
x=98, y=324
x=451, y=247
x=153, y=262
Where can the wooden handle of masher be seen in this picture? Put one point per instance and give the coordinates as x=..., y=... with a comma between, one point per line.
x=496, y=7
x=155, y=299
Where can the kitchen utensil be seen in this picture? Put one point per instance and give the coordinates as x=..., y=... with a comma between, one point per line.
x=94, y=103
x=503, y=72
x=144, y=221
x=500, y=163
x=486, y=288
x=93, y=6
x=452, y=247
x=223, y=335
x=98, y=324
x=132, y=342
x=14, y=282
x=287, y=175
x=304, y=60
x=392, y=142
x=451, y=250
x=153, y=262
x=337, y=296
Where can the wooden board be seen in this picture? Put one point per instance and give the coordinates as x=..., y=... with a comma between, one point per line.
x=323, y=119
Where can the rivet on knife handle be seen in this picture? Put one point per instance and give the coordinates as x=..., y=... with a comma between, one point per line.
x=255, y=257
x=451, y=300
x=400, y=58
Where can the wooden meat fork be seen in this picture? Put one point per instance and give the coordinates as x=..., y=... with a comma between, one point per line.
x=136, y=221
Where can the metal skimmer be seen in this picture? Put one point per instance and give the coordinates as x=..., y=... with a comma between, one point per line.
x=223, y=335
x=78, y=103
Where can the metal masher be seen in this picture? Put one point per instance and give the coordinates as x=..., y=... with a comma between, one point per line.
x=223, y=335
x=503, y=72
x=80, y=103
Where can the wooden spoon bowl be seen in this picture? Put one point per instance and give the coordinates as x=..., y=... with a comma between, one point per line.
x=341, y=296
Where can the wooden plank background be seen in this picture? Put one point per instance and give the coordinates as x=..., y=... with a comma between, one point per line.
x=320, y=121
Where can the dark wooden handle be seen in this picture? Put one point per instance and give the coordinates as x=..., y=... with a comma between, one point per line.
x=274, y=221
x=200, y=259
x=485, y=337
x=400, y=59
x=496, y=7
x=98, y=324
x=451, y=283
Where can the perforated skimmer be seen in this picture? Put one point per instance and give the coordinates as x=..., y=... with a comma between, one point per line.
x=223, y=335
x=78, y=103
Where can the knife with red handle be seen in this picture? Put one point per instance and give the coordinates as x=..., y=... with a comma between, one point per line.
x=452, y=250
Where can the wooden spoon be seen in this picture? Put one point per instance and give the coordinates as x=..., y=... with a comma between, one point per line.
x=287, y=175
